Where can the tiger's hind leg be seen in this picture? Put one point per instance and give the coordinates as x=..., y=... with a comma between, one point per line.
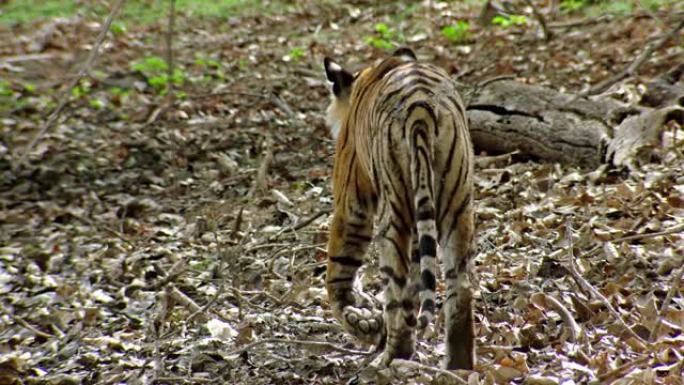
x=400, y=294
x=460, y=336
x=350, y=233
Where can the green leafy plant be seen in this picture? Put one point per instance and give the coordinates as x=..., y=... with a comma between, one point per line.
x=507, y=21
x=619, y=7
x=82, y=89
x=383, y=38
x=96, y=103
x=207, y=62
x=6, y=89
x=118, y=28
x=155, y=70
x=457, y=32
x=296, y=53
x=573, y=5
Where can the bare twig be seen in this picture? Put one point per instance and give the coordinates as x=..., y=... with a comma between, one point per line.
x=425, y=368
x=498, y=349
x=672, y=230
x=494, y=79
x=282, y=105
x=540, y=18
x=169, y=48
x=186, y=301
x=304, y=343
x=31, y=328
x=620, y=370
x=182, y=380
x=221, y=288
x=650, y=13
x=176, y=270
x=580, y=23
x=238, y=223
x=638, y=62
x=63, y=97
x=261, y=182
x=486, y=161
x=300, y=225
x=674, y=287
x=588, y=287
x=27, y=57
x=565, y=315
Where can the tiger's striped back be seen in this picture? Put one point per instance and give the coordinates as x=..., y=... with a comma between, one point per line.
x=403, y=153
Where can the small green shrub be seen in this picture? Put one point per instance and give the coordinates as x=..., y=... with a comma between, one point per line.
x=296, y=53
x=383, y=38
x=6, y=89
x=155, y=70
x=457, y=32
x=573, y=5
x=507, y=21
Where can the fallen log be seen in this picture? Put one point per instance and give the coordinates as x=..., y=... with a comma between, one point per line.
x=507, y=116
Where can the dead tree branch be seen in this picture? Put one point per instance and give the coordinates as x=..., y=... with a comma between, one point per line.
x=638, y=62
x=418, y=366
x=672, y=230
x=597, y=294
x=169, y=48
x=304, y=343
x=64, y=95
x=674, y=287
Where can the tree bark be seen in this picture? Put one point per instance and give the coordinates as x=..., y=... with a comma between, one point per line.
x=506, y=116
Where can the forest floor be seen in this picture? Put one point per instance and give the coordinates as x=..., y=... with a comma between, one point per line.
x=145, y=240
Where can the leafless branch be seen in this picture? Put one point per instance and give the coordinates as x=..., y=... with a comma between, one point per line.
x=304, y=343
x=416, y=365
x=672, y=230
x=64, y=97
x=31, y=328
x=169, y=48
x=674, y=287
x=300, y=225
x=565, y=315
x=638, y=62
x=261, y=181
x=540, y=18
x=588, y=287
x=620, y=370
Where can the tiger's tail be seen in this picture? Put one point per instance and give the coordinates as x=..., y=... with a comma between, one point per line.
x=423, y=126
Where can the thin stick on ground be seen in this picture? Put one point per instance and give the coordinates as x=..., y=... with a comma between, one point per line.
x=566, y=316
x=261, y=181
x=304, y=343
x=674, y=287
x=219, y=292
x=186, y=301
x=301, y=224
x=64, y=95
x=31, y=328
x=638, y=62
x=620, y=370
x=672, y=230
x=588, y=287
x=415, y=365
x=169, y=48
x=540, y=18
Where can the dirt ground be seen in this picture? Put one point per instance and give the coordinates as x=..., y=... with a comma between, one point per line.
x=144, y=240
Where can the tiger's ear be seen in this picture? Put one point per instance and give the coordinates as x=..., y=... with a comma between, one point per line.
x=405, y=52
x=340, y=78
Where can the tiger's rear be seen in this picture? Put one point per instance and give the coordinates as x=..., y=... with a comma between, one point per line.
x=403, y=153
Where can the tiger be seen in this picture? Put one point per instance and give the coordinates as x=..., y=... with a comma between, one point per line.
x=404, y=159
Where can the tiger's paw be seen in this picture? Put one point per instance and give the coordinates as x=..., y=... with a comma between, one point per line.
x=365, y=324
